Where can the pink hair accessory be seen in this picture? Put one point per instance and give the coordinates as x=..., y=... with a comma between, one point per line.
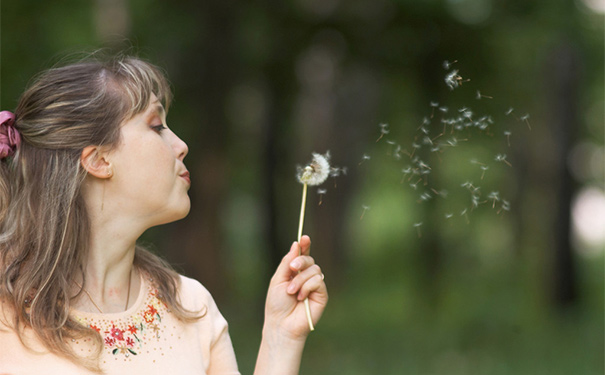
x=10, y=138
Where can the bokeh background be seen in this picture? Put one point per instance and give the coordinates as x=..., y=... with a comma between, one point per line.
x=420, y=284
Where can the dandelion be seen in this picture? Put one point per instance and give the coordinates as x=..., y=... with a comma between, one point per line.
x=315, y=173
x=502, y=158
x=364, y=208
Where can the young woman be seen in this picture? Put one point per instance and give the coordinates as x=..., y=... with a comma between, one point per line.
x=87, y=164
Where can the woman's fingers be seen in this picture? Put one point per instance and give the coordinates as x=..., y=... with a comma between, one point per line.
x=307, y=281
x=305, y=244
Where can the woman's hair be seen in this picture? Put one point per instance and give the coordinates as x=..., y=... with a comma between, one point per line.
x=44, y=223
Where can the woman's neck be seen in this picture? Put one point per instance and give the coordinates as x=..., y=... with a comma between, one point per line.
x=110, y=283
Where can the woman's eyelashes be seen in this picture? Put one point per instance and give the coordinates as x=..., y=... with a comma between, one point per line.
x=158, y=128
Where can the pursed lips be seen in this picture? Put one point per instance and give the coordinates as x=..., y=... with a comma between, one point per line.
x=185, y=175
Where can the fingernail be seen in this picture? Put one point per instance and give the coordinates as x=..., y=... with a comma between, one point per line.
x=291, y=288
x=295, y=264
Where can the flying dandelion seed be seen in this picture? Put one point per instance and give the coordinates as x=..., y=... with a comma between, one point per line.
x=494, y=196
x=417, y=226
x=504, y=207
x=447, y=65
x=525, y=118
x=479, y=96
x=364, y=157
x=452, y=79
x=507, y=133
x=364, y=210
x=509, y=111
x=384, y=130
x=484, y=169
x=502, y=158
x=336, y=172
x=321, y=193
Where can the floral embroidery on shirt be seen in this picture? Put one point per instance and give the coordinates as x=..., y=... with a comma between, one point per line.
x=129, y=335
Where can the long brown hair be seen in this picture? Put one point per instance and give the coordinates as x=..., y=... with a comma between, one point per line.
x=44, y=224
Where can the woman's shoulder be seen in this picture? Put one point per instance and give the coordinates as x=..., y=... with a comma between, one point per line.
x=193, y=294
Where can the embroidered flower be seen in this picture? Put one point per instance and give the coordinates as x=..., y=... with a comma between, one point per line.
x=128, y=336
x=117, y=333
x=109, y=341
x=132, y=329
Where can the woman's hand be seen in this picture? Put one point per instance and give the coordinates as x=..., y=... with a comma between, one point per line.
x=297, y=277
x=286, y=326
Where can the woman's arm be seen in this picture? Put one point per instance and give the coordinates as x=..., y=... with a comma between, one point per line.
x=286, y=327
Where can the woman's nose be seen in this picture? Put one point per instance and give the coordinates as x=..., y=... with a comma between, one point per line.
x=180, y=147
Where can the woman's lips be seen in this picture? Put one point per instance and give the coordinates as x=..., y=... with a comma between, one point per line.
x=186, y=177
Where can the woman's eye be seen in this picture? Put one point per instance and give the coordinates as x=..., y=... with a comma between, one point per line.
x=158, y=128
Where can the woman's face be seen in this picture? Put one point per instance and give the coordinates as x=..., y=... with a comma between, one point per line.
x=149, y=177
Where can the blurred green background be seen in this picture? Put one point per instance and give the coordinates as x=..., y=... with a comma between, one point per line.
x=418, y=285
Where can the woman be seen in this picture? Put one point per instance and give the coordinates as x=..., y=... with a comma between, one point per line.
x=88, y=163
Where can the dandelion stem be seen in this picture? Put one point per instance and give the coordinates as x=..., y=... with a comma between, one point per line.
x=300, y=228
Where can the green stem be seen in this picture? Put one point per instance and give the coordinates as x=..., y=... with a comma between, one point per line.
x=300, y=228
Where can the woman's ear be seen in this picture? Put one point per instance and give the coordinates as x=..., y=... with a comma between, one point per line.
x=93, y=160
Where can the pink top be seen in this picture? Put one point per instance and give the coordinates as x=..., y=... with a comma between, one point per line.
x=145, y=339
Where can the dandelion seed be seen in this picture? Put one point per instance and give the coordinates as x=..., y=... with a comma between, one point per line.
x=453, y=80
x=494, y=196
x=448, y=215
x=504, y=207
x=447, y=64
x=507, y=133
x=384, y=129
x=365, y=208
x=443, y=109
x=424, y=197
x=484, y=168
x=434, y=104
x=502, y=158
x=321, y=193
x=479, y=96
x=465, y=214
x=397, y=153
x=364, y=158
x=525, y=118
x=427, y=140
x=417, y=226
x=509, y=111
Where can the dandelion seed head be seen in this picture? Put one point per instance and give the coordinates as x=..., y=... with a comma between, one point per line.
x=316, y=172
